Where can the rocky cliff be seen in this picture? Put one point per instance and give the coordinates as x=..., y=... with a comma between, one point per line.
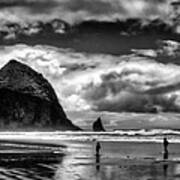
x=28, y=101
x=98, y=126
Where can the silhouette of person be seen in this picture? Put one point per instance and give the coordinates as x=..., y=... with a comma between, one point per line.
x=165, y=144
x=98, y=147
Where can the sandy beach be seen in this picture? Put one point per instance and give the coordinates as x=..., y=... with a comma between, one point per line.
x=76, y=159
x=120, y=160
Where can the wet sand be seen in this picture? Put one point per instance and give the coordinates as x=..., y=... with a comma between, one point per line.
x=75, y=160
x=121, y=160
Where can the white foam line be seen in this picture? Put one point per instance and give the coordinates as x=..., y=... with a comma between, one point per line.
x=86, y=136
x=60, y=138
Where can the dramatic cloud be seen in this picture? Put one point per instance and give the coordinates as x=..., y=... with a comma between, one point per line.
x=103, y=82
x=96, y=37
x=78, y=10
x=168, y=51
x=139, y=86
x=14, y=31
x=42, y=5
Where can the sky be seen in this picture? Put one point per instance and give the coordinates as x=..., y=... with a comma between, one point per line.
x=104, y=81
x=73, y=11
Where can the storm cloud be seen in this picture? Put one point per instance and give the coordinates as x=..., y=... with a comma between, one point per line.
x=126, y=92
x=72, y=11
x=43, y=5
x=100, y=82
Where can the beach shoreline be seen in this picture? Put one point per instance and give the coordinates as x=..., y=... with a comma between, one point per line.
x=73, y=159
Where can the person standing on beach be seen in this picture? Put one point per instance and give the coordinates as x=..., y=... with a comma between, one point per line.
x=98, y=147
x=165, y=144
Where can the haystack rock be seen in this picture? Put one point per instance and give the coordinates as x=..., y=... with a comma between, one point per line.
x=28, y=101
x=98, y=126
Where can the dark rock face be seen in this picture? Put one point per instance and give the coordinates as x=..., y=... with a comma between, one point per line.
x=28, y=101
x=98, y=126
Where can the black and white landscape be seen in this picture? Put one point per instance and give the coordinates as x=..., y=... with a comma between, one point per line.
x=89, y=89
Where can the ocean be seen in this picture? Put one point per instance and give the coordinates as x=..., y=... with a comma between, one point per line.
x=141, y=135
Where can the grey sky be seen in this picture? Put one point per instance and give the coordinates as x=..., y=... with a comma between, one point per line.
x=77, y=10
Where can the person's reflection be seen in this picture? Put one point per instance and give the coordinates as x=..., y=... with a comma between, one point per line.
x=98, y=147
x=97, y=163
x=165, y=169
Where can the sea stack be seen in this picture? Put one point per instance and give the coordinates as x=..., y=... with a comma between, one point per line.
x=28, y=101
x=98, y=126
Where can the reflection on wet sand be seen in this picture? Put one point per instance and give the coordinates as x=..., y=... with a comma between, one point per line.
x=27, y=169
x=165, y=168
x=81, y=162
x=23, y=171
x=69, y=169
x=97, y=162
x=29, y=161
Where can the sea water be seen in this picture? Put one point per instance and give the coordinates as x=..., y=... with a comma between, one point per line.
x=142, y=135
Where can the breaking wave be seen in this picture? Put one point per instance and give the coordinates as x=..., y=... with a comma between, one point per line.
x=142, y=135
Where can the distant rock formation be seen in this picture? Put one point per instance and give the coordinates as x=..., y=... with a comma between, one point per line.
x=98, y=126
x=28, y=101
